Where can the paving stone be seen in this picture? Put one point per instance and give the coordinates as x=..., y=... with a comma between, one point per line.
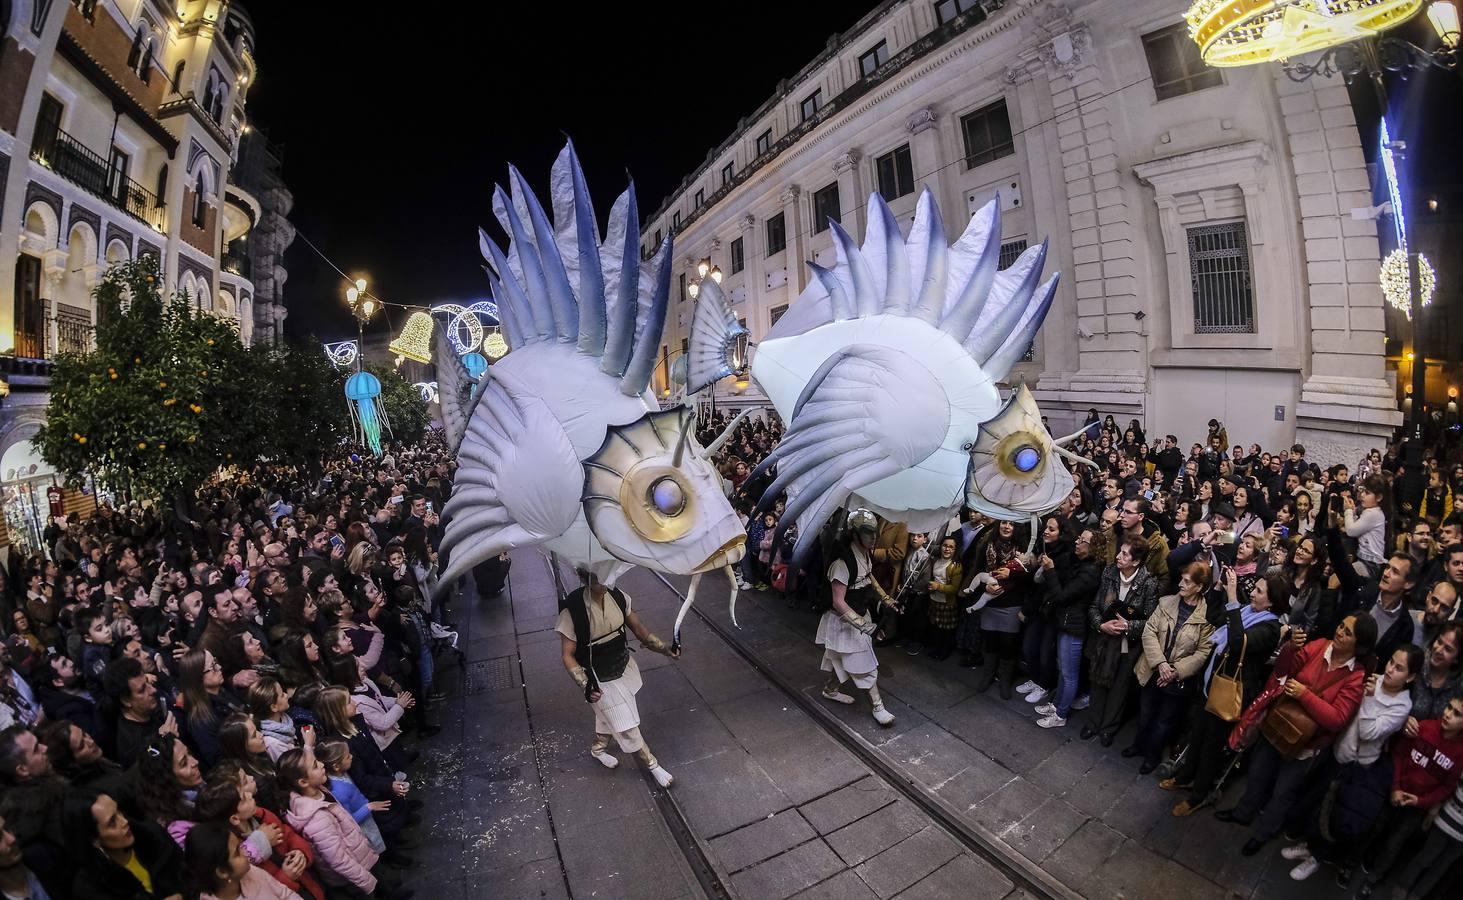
x=542, y=659
x=908, y=861
x=877, y=832
x=808, y=764
x=1136, y=873
x=582, y=790
x=1105, y=782
x=1141, y=808
x=1044, y=830
x=846, y=885
x=1082, y=854
x=830, y=813
x=1002, y=732
x=541, y=880
x=966, y=877
x=760, y=840
x=929, y=753
x=761, y=716
x=724, y=792
x=681, y=736
x=1009, y=805
x=785, y=875
x=975, y=782
x=924, y=682
x=1065, y=768
x=640, y=863
x=859, y=719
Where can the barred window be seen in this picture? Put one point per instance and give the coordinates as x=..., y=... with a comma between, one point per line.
x=1010, y=251
x=1219, y=263
x=738, y=256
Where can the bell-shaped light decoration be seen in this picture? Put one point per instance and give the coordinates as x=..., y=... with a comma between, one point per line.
x=415, y=340
x=494, y=346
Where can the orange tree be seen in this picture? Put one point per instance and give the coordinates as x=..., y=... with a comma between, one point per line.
x=167, y=397
x=310, y=411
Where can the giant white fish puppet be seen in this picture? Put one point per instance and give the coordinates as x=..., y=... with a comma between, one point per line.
x=885, y=371
x=561, y=443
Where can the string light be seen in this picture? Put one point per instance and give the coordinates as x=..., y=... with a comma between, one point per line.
x=1397, y=286
x=342, y=354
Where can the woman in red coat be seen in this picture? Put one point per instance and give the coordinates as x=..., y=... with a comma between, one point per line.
x=1327, y=678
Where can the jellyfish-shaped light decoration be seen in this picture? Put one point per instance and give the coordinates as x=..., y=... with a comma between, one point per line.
x=476, y=364
x=362, y=390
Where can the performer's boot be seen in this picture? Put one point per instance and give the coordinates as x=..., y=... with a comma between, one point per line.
x=661, y=776
x=987, y=675
x=1007, y=669
x=600, y=751
x=881, y=715
x=833, y=690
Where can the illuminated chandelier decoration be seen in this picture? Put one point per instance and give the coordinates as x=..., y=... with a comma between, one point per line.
x=494, y=346
x=415, y=340
x=1246, y=32
x=1397, y=286
x=342, y=354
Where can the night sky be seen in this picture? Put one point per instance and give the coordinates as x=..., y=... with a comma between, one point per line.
x=396, y=124
x=397, y=120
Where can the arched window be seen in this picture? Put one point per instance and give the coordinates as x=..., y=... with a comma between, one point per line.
x=200, y=208
x=215, y=93
x=178, y=76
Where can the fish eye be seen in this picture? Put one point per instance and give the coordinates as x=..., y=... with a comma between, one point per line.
x=1026, y=458
x=667, y=496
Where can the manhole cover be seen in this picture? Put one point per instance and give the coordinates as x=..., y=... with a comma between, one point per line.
x=490, y=675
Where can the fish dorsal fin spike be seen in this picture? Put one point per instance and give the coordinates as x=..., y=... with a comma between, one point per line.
x=983, y=237
x=620, y=255
x=837, y=296
x=592, y=308
x=508, y=313
x=928, y=258
x=1004, y=359
x=556, y=288
x=889, y=264
x=535, y=321
x=866, y=301
x=647, y=341
x=984, y=345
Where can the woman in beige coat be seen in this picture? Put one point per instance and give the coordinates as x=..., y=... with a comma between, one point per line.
x=1176, y=646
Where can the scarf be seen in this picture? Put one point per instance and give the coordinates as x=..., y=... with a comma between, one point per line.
x=1248, y=617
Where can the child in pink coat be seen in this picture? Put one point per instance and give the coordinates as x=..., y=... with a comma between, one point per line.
x=342, y=853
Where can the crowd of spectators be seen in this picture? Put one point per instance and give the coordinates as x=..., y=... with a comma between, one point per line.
x=213, y=700
x=1285, y=634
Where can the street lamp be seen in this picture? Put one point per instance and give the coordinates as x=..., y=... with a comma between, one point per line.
x=704, y=268
x=363, y=307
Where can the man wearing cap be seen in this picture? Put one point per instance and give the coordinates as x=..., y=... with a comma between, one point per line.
x=845, y=630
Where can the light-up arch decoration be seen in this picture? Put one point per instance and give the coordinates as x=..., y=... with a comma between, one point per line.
x=464, y=323
x=342, y=354
x=428, y=390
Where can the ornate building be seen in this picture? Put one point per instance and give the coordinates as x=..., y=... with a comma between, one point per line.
x=1200, y=218
x=120, y=124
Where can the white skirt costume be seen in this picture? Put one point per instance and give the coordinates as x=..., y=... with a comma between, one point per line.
x=847, y=652
x=615, y=712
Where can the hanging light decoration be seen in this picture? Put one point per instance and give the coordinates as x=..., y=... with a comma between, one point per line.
x=361, y=390
x=494, y=346
x=415, y=340
x=1246, y=32
x=464, y=328
x=342, y=354
x=428, y=390
x=475, y=363
x=1397, y=285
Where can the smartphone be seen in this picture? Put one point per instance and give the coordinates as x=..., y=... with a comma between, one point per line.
x=1284, y=532
x=337, y=541
x=1148, y=495
x=429, y=507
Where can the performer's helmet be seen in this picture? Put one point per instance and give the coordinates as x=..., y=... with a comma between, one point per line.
x=861, y=522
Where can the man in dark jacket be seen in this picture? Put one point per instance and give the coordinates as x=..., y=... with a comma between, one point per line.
x=1068, y=595
x=1169, y=460
x=63, y=696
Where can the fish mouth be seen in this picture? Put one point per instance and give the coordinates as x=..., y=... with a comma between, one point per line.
x=729, y=554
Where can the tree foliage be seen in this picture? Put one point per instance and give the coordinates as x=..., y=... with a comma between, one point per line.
x=170, y=394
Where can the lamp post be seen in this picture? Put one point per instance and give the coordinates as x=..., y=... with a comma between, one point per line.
x=363, y=307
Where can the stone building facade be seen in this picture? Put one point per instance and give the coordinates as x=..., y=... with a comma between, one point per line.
x=1200, y=218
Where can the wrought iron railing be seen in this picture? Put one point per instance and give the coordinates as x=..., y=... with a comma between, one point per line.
x=30, y=343
x=237, y=263
x=82, y=166
x=73, y=335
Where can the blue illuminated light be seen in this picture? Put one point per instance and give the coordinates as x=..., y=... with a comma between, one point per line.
x=1394, y=186
x=1027, y=459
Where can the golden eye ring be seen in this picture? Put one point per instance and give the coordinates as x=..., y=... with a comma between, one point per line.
x=640, y=492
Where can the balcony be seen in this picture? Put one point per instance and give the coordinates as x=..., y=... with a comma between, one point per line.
x=78, y=164
x=237, y=263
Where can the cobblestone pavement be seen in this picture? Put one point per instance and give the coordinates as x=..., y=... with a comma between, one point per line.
x=516, y=808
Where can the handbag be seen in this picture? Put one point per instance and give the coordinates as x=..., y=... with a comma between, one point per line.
x=779, y=577
x=1227, y=692
x=1247, y=730
x=1289, y=727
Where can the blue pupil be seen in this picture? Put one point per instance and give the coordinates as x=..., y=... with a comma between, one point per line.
x=1026, y=459
x=668, y=497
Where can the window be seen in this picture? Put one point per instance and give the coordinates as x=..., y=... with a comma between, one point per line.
x=676, y=222
x=48, y=125
x=1010, y=251
x=764, y=142
x=896, y=173
x=777, y=313
x=178, y=76
x=134, y=56
x=987, y=134
x=1174, y=62
x=776, y=234
x=1219, y=263
x=214, y=92
x=826, y=208
x=811, y=104
x=200, y=208
x=162, y=184
x=683, y=287
x=657, y=241
x=873, y=59
x=728, y=171
x=117, y=175
x=738, y=257
x=700, y=198
x=947, y=10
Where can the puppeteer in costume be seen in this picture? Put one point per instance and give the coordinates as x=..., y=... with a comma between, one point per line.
x=846, y=630
x=594, y=626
